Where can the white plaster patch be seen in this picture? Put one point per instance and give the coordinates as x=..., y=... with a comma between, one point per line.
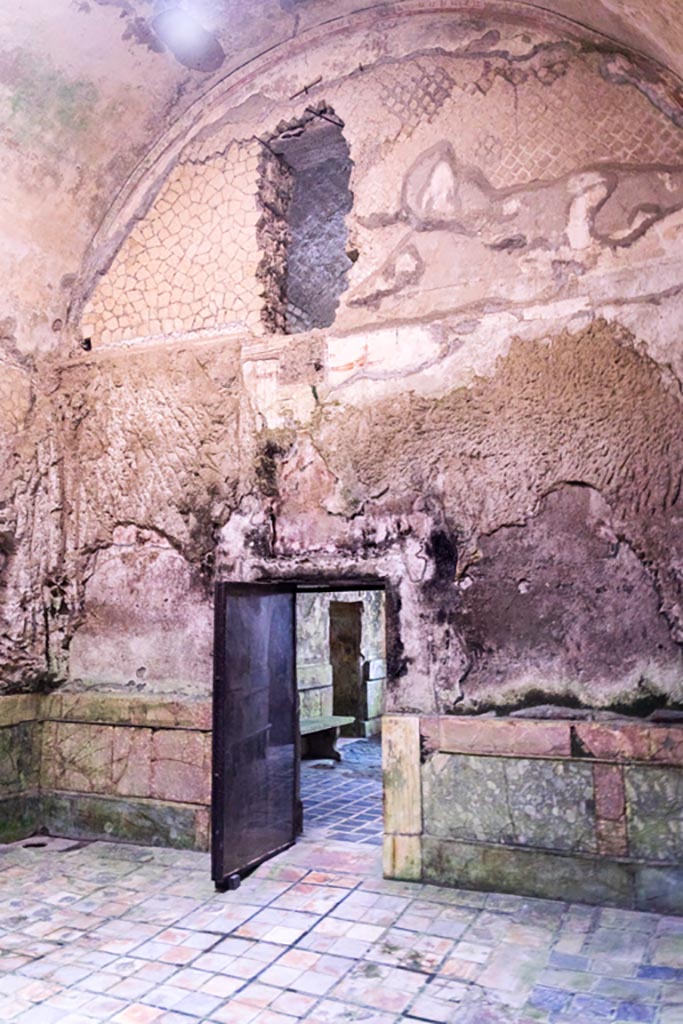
x=439, y=197
x=391, y=351
x=261, y=382
x=590, y=190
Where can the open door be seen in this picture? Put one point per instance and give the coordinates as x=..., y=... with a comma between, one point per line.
x=255, y=728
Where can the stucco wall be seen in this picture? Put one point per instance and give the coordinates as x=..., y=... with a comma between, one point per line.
x=491, y=427
x=513, y=181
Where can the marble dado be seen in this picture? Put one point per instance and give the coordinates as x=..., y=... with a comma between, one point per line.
x=513, y=737
x=97, y=765
x=542, y=808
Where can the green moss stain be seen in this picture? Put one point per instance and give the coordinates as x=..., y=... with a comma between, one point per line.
x=47, y=107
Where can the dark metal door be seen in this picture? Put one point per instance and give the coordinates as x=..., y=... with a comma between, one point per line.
x=255, y=727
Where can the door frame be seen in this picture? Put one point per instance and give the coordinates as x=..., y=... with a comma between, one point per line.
x=293, y=585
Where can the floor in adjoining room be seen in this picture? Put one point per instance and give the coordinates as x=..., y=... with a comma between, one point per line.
x=107, y=932
x=343, y=800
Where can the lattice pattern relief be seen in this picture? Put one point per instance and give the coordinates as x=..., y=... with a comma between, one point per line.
x=417, y=96
x=518, y=124
x=580, y=120
x=191, y=263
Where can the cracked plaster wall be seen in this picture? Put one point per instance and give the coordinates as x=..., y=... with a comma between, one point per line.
x=468, y=412
x=449, y=173
x=78, y=78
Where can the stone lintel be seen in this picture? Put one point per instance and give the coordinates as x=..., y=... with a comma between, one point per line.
x=637, y=741
x=504, y=736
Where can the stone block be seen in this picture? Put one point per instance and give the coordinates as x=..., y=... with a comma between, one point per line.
x=77, y=757
x=654, y=801
x=430, y=734
x=401, y=773
x=131, y=762
x=310, y=704
x=20, y=816
x=612, y=837
x=327, y=701
x=659, y=889
x=137, y=821
x=374, y=698
x=181, y=766
x=375, y=668
x=112, y=709
x=203, y=828
x=190, y=714
x=537, y=803
x=514, y=737
x=402, y=857
x=15, y=708
x=371, y=727
x=527, y=872
x=19, y=757
x=313, y=676
x=631, y=742
x=610, y=799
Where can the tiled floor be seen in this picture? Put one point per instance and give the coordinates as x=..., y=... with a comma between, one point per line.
x=343, y=800
x=137, y=935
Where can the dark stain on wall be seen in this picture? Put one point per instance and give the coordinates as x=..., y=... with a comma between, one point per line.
x=562, y=597
x=559, y=480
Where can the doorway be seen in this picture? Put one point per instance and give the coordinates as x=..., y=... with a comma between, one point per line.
x=289, y=658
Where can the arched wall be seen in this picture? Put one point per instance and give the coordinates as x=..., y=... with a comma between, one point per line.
x=494, y=364
x=492, y=424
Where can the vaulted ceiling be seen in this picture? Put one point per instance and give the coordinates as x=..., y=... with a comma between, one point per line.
x=87, y=86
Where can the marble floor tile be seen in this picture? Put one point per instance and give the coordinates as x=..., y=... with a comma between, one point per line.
x=138, y=935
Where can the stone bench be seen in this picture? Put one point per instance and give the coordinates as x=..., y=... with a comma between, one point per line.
x=319, y=735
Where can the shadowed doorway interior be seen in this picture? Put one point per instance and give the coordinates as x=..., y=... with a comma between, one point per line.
x=280, y=650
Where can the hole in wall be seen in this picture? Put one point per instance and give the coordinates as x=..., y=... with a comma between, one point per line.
x=308, y=194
